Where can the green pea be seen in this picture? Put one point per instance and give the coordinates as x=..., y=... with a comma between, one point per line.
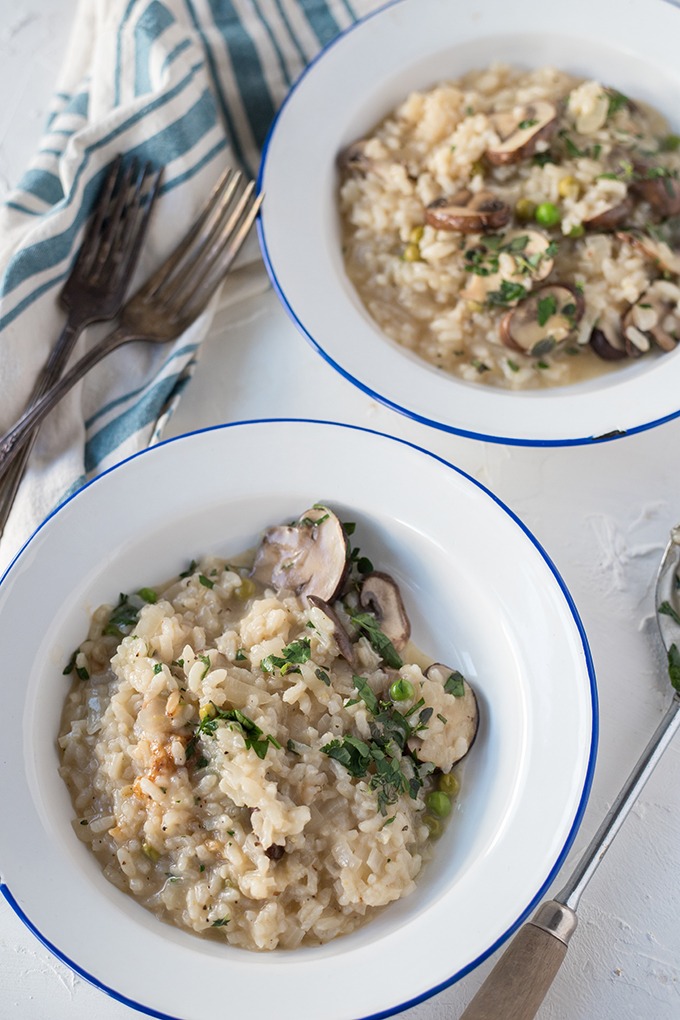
x=401, y=690
x=438, y=803
x=577, y=231
x=448, y=783
x=547, y=214
x=434, y=826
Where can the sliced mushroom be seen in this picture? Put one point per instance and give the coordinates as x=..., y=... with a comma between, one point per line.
x=342, y=638
x=544, y=319
x=381, y=596
x=649, y=319
x=607, y=345
x=611, y=218
x=355, y=157
x=661, y=253
x=468, y=213
x=462, y=715
x=275, y=852
x=521, y=131
x=657, y=186
x=309, y=557
x=528, y=262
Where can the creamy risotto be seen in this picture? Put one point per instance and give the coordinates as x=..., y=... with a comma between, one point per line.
x=255, y=750
x=517, y=228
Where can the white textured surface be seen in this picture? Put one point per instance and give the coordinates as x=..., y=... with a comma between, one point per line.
x=603, y=514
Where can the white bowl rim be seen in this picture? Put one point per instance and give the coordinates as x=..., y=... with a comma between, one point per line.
x=587, y=660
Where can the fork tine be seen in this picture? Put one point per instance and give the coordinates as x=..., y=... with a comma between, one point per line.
x=208, y=248
x=134, y=220
x=228, y=250
x=221, y=194
x=88, y=244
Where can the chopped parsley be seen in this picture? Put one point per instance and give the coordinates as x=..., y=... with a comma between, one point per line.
x=667, y=609
x=523, y=124
x=205, y=581
x=384, y=760
x=323, y=676
x=293, y=655
x=80, y=671
x=616, y=101
x=547, y=307
x=220, y=923
x=367, y=623
x=148, y=595
x=455, y=684
x=354, y=556
x=507, y=294
x=254, y=737
x=674, y=666
x=123, y=617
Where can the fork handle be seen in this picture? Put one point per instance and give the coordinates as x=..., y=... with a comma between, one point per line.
x=13, y=440
x=48, y=376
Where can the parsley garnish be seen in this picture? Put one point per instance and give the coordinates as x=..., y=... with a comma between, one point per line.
x=254, y=737
x=368, y=624
x=383, y=760
x=527, y=123
x=547, y=307
x=667, y=609
x=123, y=617
x=507, y=294
x=617, y=101
x=673, y=666
x=455, y=684
x=293, y=654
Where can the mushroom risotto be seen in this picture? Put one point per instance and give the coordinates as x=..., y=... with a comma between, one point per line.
x=255, y=750
x=517, y=228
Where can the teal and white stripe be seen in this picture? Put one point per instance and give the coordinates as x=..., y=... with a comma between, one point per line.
x=188, y=84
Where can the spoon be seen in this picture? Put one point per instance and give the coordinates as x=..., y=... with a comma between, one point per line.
x=519, y=982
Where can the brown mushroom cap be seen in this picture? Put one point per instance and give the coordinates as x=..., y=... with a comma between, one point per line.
x=468, y=213
x=381, y=596
x=543, y=319
x=521, y=131
x=309, y=557
x=611, y=218
x=607, y=346
x=464, y=711
x=662, y=191
x=355, y=158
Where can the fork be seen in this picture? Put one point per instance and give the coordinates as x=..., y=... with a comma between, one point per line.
x=167, y=304
x=95, y=288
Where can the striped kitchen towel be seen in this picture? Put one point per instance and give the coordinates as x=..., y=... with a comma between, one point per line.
x=191, y=85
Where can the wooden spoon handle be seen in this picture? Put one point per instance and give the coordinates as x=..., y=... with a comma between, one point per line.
x=518, y=984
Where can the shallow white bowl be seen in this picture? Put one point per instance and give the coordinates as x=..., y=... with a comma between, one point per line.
x=357, y=81
x=482, y=596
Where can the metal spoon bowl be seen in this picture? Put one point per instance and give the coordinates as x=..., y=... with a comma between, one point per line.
x=519, y=982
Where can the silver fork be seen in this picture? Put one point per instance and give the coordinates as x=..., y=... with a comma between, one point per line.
x=169, y=301
x=96, y=286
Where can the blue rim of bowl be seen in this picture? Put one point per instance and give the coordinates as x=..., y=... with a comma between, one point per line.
x=373, y=394
x=585, y=793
